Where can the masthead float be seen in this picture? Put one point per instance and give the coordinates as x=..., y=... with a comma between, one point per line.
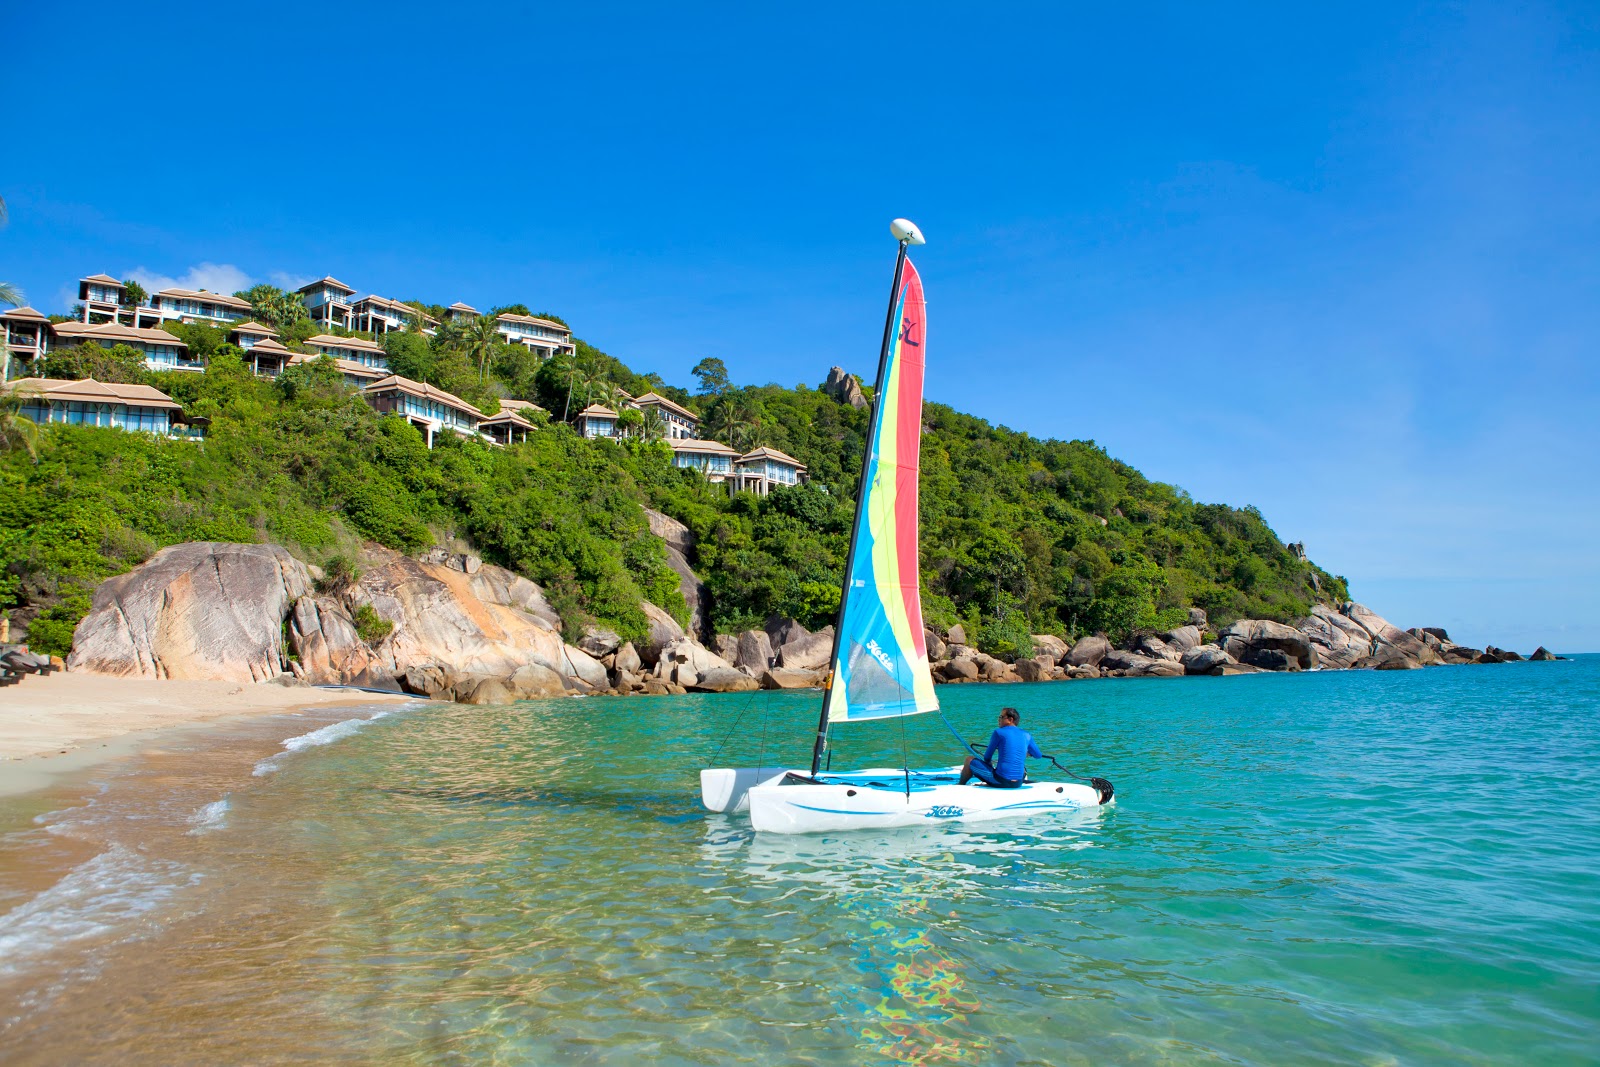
x=879, y=665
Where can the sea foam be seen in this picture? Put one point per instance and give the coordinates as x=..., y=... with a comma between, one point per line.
x=325, y=736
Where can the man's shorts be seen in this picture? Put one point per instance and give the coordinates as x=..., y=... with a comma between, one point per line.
x=985, y=771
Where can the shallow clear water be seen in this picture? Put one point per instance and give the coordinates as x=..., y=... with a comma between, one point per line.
x=1324, y=868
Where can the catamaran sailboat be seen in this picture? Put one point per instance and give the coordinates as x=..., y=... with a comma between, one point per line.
x=880, y=656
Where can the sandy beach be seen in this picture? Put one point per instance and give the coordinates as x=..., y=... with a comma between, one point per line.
x=64, y=721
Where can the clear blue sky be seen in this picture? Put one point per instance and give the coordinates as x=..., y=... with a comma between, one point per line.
x=1341, y=265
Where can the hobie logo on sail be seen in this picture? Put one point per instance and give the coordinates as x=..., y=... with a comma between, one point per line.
x=881, y=656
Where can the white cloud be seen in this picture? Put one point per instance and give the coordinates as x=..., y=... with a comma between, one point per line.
x=212, y=277
x=289, y=282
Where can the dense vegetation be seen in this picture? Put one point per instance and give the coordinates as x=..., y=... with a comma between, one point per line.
x=1019, y=535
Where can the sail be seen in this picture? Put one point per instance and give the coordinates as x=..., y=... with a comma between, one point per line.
x=881, y=667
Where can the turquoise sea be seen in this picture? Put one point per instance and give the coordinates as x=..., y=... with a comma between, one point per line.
x=1339, y=868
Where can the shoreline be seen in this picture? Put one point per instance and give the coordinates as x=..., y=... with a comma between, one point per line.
x=55, y=725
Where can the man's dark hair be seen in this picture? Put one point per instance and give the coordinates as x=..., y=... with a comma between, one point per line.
x=1011, y=713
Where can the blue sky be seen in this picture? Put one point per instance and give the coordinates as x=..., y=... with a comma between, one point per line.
x=1342, y=265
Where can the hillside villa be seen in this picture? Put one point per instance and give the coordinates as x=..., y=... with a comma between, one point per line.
x=160, y=349
x=108, y=319
x=27, y=335
x=759, y=470
x=138, y=408
x=327, y=300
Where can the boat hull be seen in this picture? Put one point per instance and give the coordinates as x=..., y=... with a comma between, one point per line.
x=879, y=799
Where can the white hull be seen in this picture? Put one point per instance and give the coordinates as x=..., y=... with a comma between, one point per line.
x=878, y=799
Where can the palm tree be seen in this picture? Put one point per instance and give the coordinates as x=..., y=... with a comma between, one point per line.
x=578, y=379
x=481, y=335
x=654, y=426
x=15, y=427
x=735, y=417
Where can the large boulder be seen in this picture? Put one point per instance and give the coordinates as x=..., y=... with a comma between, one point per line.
x=1248, y=636
x=962, y=669
x=679, y=542
x=1543, y=655
x=202, y=610
x=1089, y=651
x=1340, y=642
x=664, y=631
x=1049, y=646
x=576, y=663
x=782, y=678
x=1038, y=669
x=1205, y=659
x=533, y=681
x=1152, y=646
x=1197, y=618
x=726, y=646
x=1119, y=660
x=1270, y=659
x=753, y=652
x=627, y=659
x=599, y=642
x=1389, y=658
x=781, y=629
x=496, y=585
x=1385, y=632
x=724, y=680
x=686, y=661
x=956, y=635
x=330, y=651
x=935, y=644
x=844, y=388
x=807, y=653
x=1500, y=655
x=1456, y=654
x=1182, y=639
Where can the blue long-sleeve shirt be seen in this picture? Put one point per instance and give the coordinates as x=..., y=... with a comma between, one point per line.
x=1015, y=745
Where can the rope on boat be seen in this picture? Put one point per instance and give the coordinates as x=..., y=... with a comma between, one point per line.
x=1101, y=786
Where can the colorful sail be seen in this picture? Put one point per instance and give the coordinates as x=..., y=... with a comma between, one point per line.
x=881, y=667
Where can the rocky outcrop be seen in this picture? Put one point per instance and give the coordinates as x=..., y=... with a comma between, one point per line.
x=753, y=652
x=1385, y=632
x=1340, y=642
x=961, y=669
x=1250, y=639
x=680, y=548
x=844, y=388
x=956, y=635
x=935, y=644
x=598, y=641
x=783, y=678
x=329, y=650
x=202, y=610
x=807, y=652
x=1183, y=639
x=664, y=631
x=1154, y=647
x=1543, y=655
x=1049, y=646
x=1205, y=659
x=1089, y=651
x=1500, y=655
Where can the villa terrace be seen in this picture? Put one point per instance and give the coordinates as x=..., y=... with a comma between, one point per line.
x=86, y=402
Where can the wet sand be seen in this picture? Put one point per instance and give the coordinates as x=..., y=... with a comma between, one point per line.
x=64, y=722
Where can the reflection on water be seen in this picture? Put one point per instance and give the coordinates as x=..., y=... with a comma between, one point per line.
x=538, y=885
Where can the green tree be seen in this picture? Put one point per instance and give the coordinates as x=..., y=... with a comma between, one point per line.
x=482, y=336
x=133, y=294
x=16, y=429
x=713, y=376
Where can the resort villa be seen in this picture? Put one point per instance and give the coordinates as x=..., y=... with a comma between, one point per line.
x=540, y=335
x=108, y=318
x=597, y=420
x=327, y=300
x=377, y=315
x=758, y=471
x=138, y=408
x=160, y=349
x=186, y=305
x=681, y=423
x=711, y=458
x=27, y=335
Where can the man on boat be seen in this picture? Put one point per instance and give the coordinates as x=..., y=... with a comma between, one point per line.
x=1014, y=744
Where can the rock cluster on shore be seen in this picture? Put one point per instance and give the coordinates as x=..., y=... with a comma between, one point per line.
x=459, y=629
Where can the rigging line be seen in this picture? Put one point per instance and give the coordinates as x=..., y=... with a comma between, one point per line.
x=745, y=706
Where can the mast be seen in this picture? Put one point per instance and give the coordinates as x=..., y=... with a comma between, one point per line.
x=907, y=235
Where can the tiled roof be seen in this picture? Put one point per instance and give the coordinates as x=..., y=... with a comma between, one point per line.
x=765, y=453
x=252, y=327
x=599, y=411
x=23, y=315
x=684, y=444
x=394, y=305
x=519, y=405
x=656, y=398
x=356, y=344
x=270, y=345
x=91, y=391
x=114, y=331
x=508, y=417
x=200, y=294
x=103, y=279
x=348, y=366
x=327, y=280
x=533, y=320
x=424, y=390
x=459, y=306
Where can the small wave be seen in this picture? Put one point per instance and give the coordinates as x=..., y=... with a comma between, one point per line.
x=93, y=899
x=325, y=736
x=211, y=817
